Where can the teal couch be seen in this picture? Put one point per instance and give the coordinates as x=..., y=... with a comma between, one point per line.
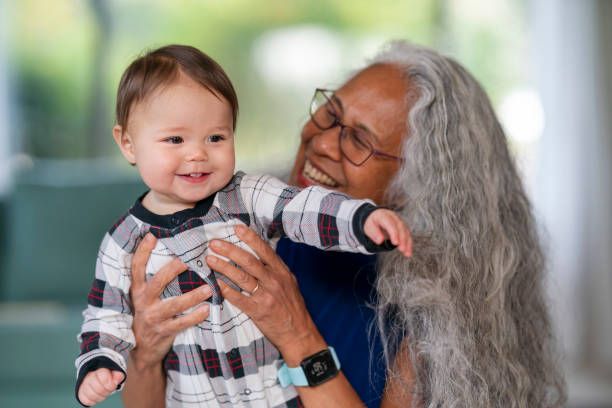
x=52, y=222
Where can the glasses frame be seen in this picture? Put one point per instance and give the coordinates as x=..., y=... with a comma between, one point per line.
x=337, y=122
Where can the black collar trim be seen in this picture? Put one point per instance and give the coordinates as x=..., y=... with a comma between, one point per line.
x=171, y=221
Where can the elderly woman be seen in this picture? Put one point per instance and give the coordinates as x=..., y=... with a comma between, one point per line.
x=463, y=322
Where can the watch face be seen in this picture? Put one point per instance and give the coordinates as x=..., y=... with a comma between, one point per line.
x=319, y=368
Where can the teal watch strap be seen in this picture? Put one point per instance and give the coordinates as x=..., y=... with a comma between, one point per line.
x=296, y=376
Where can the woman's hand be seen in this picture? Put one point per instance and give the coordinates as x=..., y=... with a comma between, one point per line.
x=276, y=305
x=155, y=325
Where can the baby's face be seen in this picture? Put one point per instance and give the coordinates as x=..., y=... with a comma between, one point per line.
x=182, y=141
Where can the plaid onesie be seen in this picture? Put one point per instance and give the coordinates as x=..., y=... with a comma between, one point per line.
x=224, y=361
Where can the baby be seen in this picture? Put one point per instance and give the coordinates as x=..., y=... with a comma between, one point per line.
x=176, y=115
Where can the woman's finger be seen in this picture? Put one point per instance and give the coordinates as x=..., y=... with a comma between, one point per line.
x=156, y=285
x=258, y=245
x=241, y=301
x=170, y=308
x=246, y=260
x=174, y=326
x=241, y=278
x=140, y=258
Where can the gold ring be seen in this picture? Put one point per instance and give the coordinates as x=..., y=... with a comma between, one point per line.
x=255, y=289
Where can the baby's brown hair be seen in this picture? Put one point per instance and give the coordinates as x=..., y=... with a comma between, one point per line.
x=160, y=67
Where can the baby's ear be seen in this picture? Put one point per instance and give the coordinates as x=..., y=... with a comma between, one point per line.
x=124, y=141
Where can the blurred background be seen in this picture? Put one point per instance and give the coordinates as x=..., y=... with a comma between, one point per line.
x=546, y=64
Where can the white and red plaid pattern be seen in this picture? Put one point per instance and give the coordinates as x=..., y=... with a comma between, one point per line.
x=224, y=361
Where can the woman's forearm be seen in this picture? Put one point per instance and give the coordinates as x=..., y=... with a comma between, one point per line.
x=145, y=386
x=336, y=392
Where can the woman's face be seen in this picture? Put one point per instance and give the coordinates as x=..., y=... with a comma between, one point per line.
x=373, y=101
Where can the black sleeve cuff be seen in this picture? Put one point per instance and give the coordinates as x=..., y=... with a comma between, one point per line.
x=94, y=364
x=359, y=220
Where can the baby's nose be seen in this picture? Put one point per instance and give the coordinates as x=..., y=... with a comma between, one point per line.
x=197, y=153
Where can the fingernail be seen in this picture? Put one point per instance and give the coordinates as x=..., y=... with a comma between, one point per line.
x=240, y=229
x=207, y=290
x=211, y=259
x=215, y=244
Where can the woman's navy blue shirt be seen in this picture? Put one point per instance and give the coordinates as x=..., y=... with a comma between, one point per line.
x=337, y=288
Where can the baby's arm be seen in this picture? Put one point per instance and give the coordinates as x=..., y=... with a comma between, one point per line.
x=315, y=216
x=99, y=384
x=383, y=224
x=106, y=334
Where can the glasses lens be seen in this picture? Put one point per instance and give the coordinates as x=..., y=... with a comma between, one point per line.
x=322, y=112
x=354, y=147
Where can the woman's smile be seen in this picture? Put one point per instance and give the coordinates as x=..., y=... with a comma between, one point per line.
x=312, y=175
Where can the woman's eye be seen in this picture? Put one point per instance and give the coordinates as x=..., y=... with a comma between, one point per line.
x=175, y=139
x=356, y=140
x=215, y=138
x=330, y=114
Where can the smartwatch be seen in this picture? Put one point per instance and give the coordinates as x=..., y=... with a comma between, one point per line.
x=312, y=371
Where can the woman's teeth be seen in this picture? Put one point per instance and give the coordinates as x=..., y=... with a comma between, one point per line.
x=196, y=174
x=315, y=175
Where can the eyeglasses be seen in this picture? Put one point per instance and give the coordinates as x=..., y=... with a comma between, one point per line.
x=353, y=145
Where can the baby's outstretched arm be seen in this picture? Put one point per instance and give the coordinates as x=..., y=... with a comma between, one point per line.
x=384, y=224
x=99, y=384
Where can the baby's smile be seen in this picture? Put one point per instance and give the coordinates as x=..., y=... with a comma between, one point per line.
x=194, y=177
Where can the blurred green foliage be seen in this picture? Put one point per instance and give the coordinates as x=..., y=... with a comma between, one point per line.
x=68, y=56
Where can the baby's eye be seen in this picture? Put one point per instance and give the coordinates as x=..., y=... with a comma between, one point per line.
x=175, y=140
x=215, y=138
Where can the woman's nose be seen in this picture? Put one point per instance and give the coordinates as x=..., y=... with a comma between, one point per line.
x=326, y=143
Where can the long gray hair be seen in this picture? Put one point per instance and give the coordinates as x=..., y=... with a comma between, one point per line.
x=468, y=309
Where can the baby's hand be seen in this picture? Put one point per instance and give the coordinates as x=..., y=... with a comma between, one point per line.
x=98, y=384
x=385, y=224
